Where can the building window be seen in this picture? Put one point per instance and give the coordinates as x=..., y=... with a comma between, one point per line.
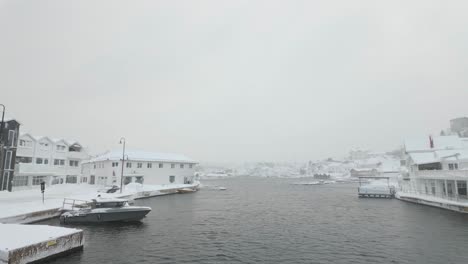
x=60, y=148
x=23, y=159
x=139, y=165
x=59, y=162
x=20, y=181
x=161, y=165
x=38, y=160
x=172, y=166
x=139, y=179
x=190, y=166
x=461, y=186
x=71, y=179
x=73, y=163
x=55, y=180
x=25, y=143
x=11, y=138
x=149, y=165
x=181, y=166
x=46, y=161
x=115, y=164
x=127, y=180
x=171, y=179
x=44, y=145
x=129, y=164
x=38, y=179
x=7, y=165
x=94, y=165
x=453, y=166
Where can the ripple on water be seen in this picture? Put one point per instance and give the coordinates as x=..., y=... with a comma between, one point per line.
x=272, y=221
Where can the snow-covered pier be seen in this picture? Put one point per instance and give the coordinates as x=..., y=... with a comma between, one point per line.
x=33, y=243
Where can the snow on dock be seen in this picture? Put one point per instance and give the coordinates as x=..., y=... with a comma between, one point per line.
x=28, y=243
x=26, y=206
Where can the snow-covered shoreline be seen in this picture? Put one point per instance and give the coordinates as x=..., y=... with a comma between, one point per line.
x=16, y=206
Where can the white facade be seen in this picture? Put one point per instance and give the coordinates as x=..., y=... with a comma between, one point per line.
x=437, y=167
x=141, y=167
x=54, y=161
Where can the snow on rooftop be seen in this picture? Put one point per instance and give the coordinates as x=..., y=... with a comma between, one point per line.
x=69, y=142
x=137, y=155
x=440, y=142
x=424, y=158
x=8, y=119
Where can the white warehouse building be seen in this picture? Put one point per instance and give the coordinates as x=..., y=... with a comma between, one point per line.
x=140, y=167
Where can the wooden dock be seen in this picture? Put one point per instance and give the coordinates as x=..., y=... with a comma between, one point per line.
x=36, y=243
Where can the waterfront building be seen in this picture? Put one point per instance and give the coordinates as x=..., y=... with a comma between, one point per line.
x=9, y=131
x=437, y=172
x=54, y=161
x=139, y=167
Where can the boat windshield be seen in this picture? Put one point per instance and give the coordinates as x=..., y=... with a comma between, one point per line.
x=109, y=204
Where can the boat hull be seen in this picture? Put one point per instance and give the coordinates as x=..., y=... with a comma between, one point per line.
x=104, y=217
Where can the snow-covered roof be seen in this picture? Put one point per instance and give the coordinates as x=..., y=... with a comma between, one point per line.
x=8, y=119
x=68, y=142
x=424, y=158
x=138, y=155
x=440, y=142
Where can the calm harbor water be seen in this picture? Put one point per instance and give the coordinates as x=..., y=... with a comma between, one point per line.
x=259, y=220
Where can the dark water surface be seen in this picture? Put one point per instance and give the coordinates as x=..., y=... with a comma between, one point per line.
x=271, y=221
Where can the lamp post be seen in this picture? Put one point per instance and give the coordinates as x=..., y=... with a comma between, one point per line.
x=2, y=124
x=122, y=141
x=1, y=148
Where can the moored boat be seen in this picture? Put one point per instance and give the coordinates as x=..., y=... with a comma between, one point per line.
x=105, y=210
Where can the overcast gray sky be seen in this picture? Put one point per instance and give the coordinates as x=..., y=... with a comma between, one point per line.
x=235, y=80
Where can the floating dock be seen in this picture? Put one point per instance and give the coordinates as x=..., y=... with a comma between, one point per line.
x=375, y=191
x=35, y=243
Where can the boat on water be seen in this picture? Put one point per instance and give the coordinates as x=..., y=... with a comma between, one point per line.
x=186, y=190
x=103, y=210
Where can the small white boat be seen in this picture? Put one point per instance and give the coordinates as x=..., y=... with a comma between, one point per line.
x=186, y=190
x=308, y=183
x=222, y=188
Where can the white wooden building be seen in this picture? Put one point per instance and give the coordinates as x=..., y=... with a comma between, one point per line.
x=140, y=167
x=54, y=161
x=437, y=171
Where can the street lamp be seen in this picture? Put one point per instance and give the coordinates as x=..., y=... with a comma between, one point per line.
x=2, y=124
x=1, y=148
x=122, y=141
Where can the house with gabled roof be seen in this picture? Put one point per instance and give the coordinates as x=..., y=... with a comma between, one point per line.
x=52, y=160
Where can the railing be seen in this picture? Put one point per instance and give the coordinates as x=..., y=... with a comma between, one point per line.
x=74, y=203
x=441, y=173
x=450, y=197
